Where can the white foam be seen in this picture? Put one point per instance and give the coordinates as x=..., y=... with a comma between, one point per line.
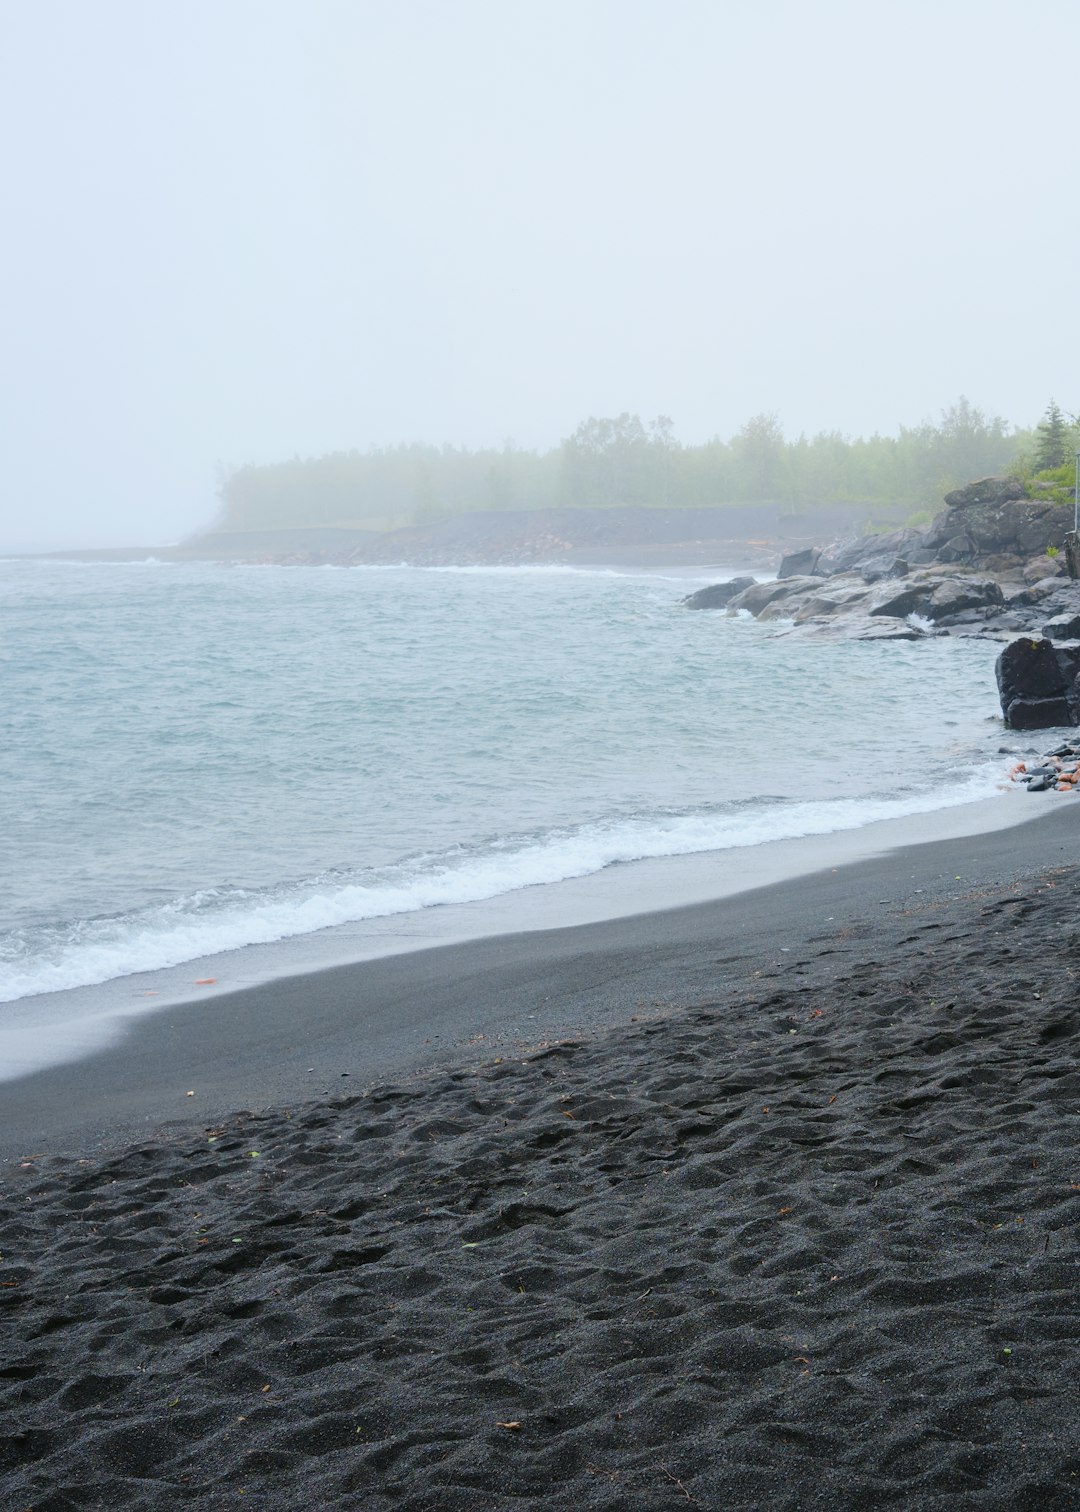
x=209, y=923
x=689, y=574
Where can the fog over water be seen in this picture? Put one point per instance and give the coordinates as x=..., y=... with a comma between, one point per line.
x=240, y=230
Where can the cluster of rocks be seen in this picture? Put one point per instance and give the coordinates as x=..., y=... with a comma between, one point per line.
x=990, y=525
x=988, y=565
x=1058, y=769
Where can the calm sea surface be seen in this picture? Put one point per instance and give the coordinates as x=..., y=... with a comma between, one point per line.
x=197, y=758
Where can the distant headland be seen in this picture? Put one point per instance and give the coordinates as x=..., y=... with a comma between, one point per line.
x=617, y=492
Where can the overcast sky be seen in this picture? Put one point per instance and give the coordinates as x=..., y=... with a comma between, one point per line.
x=242, y=230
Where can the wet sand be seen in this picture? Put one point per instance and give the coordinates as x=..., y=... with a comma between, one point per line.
x=770, y=1202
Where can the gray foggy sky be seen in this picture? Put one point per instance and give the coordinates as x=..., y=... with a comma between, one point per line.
x=239, y=230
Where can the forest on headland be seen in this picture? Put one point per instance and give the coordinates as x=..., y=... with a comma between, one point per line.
x=625, y=462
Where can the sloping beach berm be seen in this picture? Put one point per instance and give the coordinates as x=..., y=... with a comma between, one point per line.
x=799, y=1231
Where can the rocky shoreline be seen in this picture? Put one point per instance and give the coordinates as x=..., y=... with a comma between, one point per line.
x=989, y=565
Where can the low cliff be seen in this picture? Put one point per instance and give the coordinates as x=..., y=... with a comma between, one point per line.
x=989, y=564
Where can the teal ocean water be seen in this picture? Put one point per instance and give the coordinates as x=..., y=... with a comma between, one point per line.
x=198, y=758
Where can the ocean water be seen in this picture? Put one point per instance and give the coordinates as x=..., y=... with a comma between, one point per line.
x=198, y=758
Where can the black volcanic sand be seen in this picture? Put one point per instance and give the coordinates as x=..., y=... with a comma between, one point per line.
x=807, y=1240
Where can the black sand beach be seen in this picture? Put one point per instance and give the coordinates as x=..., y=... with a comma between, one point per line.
x=769, y=1202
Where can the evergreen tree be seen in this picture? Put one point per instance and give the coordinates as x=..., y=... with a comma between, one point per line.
x=1051, y=439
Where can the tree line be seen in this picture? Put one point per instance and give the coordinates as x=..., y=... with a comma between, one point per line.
x=623, y=461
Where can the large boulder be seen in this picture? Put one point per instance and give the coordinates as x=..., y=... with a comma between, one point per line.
x=956, y=595
x=1063, y=627
x=898, y=600
x=959, y=548
x=1037, y=684
x=830, y=600
x=874, y=556
x=718, y=595
x=980, y=532
x=760, y=595
x=1042, y=567
x=934, y=594
x=996, y=490
x=801, y=564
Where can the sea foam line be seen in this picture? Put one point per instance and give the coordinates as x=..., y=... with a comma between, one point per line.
x=186, y=929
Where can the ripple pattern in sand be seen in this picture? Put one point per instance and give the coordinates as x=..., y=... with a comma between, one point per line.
x=813, y=1245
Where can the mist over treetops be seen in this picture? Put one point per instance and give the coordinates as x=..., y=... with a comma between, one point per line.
x=623, y=461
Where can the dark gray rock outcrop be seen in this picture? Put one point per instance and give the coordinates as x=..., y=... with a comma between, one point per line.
x=802, y=564
x=980, y=568
x=1038, y=684
x=996, y=490
x=718, y=595
x=848, y=605
x=873, y=556
x=989, y=524
x=1063, y=627
x=976, y=530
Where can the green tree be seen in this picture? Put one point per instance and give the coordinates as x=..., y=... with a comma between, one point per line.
x=760, y=453
x=615, y=461
x=1052, y=435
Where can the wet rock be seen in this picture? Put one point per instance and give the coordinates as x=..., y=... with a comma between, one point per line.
x=876, y=554
x=759, y=596
x=1062, y=627
x=1040, y=784
x=897, y=600
x=1037, y=684
x=884, y=630
x=829, y=601
x=1036, y=590
x=1004, y=564
x=955, y=595
x=1039, y=713
x=1057, y=596
x=1058, y=769
x=979, y=569
x=998, y=535
x=945, y=598
x=996, y=490
x=801, y=564
x=718, y=595
x=960, y=548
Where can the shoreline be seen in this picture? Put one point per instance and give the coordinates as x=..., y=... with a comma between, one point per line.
x=296, y=1039
x=766, y=1202
x=48, y=1029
